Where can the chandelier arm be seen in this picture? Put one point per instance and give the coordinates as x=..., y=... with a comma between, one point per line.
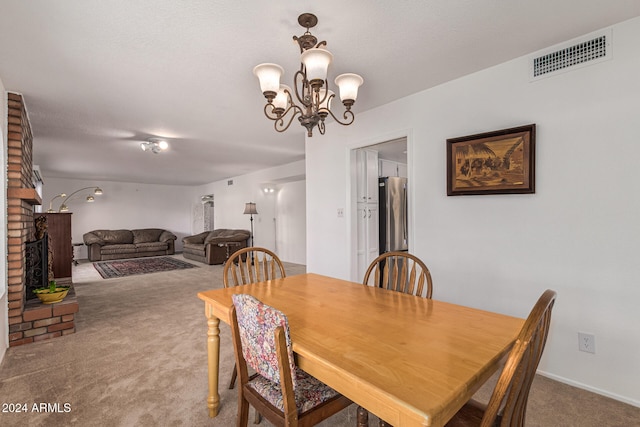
x=270, y=114
x=279, y=125
x=273, y=116
x=303, y=85
x=321, y=127
x=278, y=121
x=326, y=94
x=348, y=114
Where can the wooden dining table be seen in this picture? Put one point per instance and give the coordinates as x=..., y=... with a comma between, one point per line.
x=411, y=361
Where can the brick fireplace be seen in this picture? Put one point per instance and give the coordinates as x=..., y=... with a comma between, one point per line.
x=29, y=321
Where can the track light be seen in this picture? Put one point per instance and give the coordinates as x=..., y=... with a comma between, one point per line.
x=154, y=145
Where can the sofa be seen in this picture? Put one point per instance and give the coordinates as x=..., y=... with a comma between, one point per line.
x=214, y=247
x=105, y=245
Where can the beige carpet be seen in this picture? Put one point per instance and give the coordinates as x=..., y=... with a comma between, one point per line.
x=138, y=358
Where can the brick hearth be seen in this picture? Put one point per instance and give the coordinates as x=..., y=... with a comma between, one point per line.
x=28, y=321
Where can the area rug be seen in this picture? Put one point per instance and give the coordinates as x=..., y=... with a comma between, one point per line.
x=129, y=267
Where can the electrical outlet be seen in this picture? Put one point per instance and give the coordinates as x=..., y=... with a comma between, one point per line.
x=586, y=342
x=340, y=212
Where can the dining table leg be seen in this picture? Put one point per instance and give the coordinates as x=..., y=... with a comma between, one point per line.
x=213, y=360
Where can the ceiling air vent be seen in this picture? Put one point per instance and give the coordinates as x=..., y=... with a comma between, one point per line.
x=585, y=52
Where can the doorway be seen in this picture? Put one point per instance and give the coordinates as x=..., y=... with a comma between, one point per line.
x=386, y=159
x=202, y=216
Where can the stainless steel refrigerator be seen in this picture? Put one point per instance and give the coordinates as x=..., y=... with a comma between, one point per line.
x=392, y=199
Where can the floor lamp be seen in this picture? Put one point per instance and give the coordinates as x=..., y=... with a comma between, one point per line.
x=250, y=209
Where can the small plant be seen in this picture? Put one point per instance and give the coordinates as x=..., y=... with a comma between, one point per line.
x=52, y=294
x=52, y=288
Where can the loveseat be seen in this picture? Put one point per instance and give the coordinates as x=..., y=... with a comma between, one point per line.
x=214, y=247
x=104, y=245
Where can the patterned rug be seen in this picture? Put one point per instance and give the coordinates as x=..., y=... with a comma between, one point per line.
x=129, y=267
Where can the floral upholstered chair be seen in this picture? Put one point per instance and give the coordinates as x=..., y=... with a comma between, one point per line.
x=281, y=392
x=250, y=265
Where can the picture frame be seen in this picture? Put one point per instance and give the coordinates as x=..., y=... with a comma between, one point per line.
x=498, y=162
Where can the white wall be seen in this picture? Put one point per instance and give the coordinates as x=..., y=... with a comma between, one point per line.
x=578, y=235
x=291, y=237
x=123, y=206
x=132, y=205
x=4, y=319
x=275, y=210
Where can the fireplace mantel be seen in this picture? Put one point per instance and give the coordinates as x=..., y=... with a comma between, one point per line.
x=29, y=195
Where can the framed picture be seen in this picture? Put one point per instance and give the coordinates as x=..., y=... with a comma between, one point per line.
x=499, y=162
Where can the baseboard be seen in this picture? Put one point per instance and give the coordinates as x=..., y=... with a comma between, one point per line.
x=582, y=386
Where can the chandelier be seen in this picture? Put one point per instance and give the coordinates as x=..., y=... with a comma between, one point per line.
x=155, y=145
x=311, y=86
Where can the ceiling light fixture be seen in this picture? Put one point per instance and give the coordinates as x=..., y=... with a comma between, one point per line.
x=155, y=145
x=311, y=86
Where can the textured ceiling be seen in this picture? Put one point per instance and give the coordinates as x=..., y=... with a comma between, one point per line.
x=99, y=77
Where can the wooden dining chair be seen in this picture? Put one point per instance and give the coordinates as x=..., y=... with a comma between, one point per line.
x=250, y=265
x=281, y=392
x=507, y=406
x=402, y=272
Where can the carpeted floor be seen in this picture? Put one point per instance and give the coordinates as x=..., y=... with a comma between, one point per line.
x=138, y=358
x=130, y=267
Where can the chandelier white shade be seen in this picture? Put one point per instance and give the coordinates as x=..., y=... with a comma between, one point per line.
x=312, y=103
x=269, y=76
x=282, y=98
x=349, y=84
x=316, y=62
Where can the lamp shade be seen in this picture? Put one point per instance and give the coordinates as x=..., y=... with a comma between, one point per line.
x=282, y=98
x=269, y=76
x=349, y=84
x=316, y=61
x=64, y=206
x=326, y=103
x=250, y=208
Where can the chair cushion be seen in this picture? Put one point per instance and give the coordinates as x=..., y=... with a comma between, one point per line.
x=309, y=392
x=257, y=323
